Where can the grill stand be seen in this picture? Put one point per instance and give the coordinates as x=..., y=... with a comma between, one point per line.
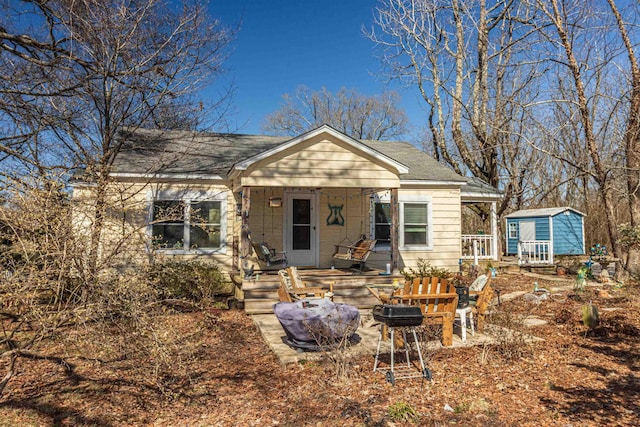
x=395, y=373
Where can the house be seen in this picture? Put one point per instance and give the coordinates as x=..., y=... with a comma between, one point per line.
x=302, y=195
x=536, y=235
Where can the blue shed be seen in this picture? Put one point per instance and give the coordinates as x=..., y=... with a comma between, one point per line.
x=539, y=234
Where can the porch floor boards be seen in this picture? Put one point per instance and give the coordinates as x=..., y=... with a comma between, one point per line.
x=349, y=287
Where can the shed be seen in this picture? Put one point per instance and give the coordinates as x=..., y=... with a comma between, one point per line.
x=536, y=235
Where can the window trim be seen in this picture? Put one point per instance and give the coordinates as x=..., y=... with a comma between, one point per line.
x=415, y=199
x=188, y=197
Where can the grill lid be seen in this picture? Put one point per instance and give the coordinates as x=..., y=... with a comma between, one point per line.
x=398, y=314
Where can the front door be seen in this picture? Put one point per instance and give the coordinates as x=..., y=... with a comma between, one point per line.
x=301, y=239
x=528, y=234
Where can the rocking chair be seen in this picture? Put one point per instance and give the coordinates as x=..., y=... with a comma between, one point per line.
x=358, y=253
x=268, y=255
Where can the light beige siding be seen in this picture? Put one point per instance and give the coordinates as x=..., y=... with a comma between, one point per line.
x=126, y=229
x=320, y=162
x=446, y=223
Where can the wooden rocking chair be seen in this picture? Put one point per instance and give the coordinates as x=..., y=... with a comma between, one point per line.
x=268, y=255
x=292, y=288
x=358, y=253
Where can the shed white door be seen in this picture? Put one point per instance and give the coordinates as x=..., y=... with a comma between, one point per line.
x=301, y=229
x=527, y=234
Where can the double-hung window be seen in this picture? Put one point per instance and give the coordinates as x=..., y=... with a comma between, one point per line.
x=513, y=230
x=415, y=230
x=188, y=224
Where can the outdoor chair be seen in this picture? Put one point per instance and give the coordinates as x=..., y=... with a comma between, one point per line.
x=437, y=300
x=268, y=255
x=292, y=288
x=482, y=303
x=358, y=253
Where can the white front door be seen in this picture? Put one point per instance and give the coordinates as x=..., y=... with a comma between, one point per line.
x=528, y=234
x=301, y=229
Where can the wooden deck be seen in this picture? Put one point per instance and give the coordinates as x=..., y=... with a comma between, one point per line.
x=349, y=286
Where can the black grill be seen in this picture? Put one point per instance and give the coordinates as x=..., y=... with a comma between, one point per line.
x=397, y=315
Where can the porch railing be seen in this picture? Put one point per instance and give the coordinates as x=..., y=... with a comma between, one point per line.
x=535, y=252
x=478, y=246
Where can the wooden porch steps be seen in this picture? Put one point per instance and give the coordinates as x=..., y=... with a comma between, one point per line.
x=349, y=288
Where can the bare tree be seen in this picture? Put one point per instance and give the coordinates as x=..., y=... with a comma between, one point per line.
x=78, y=73
x=631, y=137
x=88, y=69
x=588, y=132
x=350, y=112
x=466, y=59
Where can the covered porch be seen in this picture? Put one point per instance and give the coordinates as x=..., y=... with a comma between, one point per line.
x=479, y=222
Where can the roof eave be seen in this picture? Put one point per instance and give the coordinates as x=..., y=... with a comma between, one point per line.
x=431, y=183
x=167, y=176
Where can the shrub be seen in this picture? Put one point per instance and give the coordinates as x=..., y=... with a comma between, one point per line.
x=402, y=411
x=193, y=280
x=513, y=341
x=425, y=269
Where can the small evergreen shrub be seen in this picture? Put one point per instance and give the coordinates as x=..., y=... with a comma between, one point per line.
x=425, y=269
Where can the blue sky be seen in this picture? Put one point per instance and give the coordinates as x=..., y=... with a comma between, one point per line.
x=286, y=43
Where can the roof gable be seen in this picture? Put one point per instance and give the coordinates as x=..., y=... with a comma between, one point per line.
x=353, y=143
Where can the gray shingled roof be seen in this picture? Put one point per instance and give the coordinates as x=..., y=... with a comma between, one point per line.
x=421, y=165
x=179, y=152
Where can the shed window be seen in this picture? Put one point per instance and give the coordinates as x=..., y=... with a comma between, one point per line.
x=513, y=230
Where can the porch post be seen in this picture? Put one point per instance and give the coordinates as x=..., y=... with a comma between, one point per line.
x=245, y=239
x=395, y=216
x=494, y=231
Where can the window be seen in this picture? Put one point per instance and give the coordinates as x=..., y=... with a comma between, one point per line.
x=382, y=224
x=513, y=230
x=415, y=231
x=188, y=224
x=415, y=224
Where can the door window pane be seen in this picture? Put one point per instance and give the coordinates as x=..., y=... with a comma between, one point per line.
x=301, y=224
x=301, y=211
x=301, y=237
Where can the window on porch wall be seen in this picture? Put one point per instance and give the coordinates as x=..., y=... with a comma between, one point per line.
x=414, y=227
x=186, y=224
x=415, y=224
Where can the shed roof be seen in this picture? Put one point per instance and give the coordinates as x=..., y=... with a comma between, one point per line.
x=524, y=213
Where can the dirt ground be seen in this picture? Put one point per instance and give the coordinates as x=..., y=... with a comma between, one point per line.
x=228, y=377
